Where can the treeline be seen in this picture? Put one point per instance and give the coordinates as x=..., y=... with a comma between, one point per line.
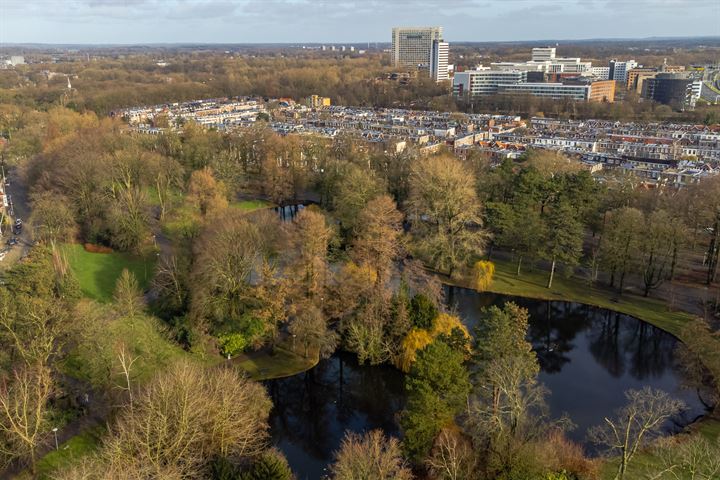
x=108, y=84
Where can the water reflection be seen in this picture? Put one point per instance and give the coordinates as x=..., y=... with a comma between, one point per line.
x=289, y=212
x=588, y=358
x=311, y=411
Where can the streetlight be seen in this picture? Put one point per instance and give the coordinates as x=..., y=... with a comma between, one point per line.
x=56, y=440
x=294, y=335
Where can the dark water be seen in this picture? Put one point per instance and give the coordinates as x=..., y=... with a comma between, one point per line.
x=289, y=212
x=312, y=410
x=588, y=357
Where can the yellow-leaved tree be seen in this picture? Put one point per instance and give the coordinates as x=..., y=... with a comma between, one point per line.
x=483, y=272
x=416, y=340
x=419, y=338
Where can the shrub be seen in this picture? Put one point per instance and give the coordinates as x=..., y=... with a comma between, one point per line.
x=271, y=465
x=232, y=343
x=422, y=311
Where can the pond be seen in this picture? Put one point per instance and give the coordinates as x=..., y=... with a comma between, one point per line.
x=588, y=357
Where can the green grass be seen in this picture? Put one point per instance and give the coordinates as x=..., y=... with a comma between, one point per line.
x=532, y=283
x=282, y=363
x=145, y=340
x=251, y=205
x=97, y=272
x=647, y=462
x=69, y=452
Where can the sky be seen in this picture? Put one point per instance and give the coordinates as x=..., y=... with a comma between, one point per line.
x=338, y=21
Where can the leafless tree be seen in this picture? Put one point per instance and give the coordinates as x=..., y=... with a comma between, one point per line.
x=452, y=457
x=370, y=456
x=693, y=458
x=636, y=423
x=24, y=412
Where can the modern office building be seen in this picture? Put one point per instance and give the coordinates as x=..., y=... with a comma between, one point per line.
x=412, y=47
x=602, y=91
x=555, y=91
x=679, y=90
x=543, y=54
x=544, y=60
x=635, y=77
x=600, y=73
x=619, y=70
x=484, y=82
x=439, y=61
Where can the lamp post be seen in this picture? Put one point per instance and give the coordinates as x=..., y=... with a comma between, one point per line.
x=56, y=440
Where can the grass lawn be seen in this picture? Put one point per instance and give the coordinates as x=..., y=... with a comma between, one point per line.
x=69, y=452
x=144, y=338
x=532, y=283
x=282, y=363
x=97, y=272
x=251, y=205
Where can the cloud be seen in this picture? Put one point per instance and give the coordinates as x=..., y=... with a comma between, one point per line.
x=223, y=21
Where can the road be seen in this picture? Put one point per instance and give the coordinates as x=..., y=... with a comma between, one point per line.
x=20, y=209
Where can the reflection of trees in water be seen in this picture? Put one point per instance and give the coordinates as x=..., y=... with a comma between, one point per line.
x=301, y=412
x=623, y=344
x=651, y=350
x=376, y=392
x=314, y=409
x=553, y=327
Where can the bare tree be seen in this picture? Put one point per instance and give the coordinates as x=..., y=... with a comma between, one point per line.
x=24, y=412
x=377, y=236
x=126, y=360
x=187, y=416
x=636, y=423
x=128, y=297
x=452, y=457
x=445, y=213
x=370, y=456
x=694, y=458
x=312, y=237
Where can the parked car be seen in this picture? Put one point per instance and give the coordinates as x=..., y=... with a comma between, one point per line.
x=12, y=241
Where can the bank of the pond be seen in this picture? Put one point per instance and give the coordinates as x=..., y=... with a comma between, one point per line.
x=533, y=284
x=279, y=363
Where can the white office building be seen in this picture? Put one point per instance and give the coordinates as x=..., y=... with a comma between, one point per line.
x=600, y=73
x=484, y=82
x=555, y=91
x=619, y=70
x=544, y=54
x=545, y=60
x=439, y=61
x=412, y=47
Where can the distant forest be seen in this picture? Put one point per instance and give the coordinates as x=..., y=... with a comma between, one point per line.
x=107, y=78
